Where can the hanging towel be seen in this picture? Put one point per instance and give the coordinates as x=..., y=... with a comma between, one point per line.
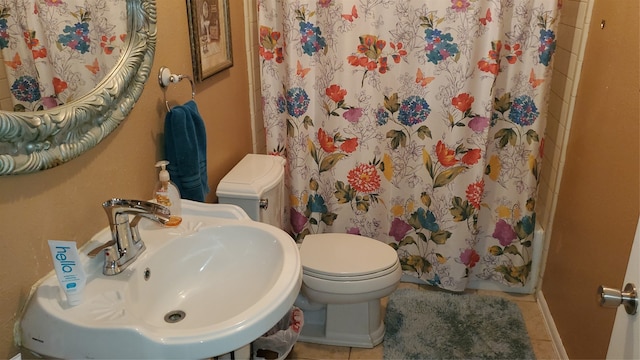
x=185, y=145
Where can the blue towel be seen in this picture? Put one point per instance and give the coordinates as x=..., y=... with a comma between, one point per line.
x=185, y=145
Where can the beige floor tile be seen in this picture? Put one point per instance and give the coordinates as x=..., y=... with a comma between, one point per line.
x=318, y=352
x=544, y=350
x=407, y=285
x=536, y=326
x=377, y=353
x=509, y=296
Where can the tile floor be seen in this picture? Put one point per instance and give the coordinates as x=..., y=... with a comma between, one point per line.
x=540, y=338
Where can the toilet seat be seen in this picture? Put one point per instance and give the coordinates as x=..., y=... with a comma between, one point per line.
x=346, y=257
x=345, y=264
x=362, y=286
x=346, y=277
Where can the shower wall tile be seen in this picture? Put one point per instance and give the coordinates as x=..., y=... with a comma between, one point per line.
x=3, y=75
x=566, y=36
x=555, y=149
x=588, y=4
x=554, y=142
x=577, y=43
x=550, y=163
x=5, y=94
x=569, y=12
x=561, y=85
x=562, y=61
x=571, y=42
x=555, y=130
x=573, y=13
x=555, y=108
x=583, y=13
x=545, y=201
x=573, y=68
x=541, y=203
x=551, y=138
x=545, y=175
x=565, y=62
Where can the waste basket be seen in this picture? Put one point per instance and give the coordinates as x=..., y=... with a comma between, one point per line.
x=278, y=342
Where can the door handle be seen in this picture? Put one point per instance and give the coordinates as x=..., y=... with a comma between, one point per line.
x=613, y=298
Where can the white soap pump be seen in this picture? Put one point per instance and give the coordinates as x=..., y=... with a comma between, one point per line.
x=166, y=193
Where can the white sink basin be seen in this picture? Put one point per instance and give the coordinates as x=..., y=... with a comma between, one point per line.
x=212, y=285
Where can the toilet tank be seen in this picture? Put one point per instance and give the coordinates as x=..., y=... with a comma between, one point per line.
x=256, y=184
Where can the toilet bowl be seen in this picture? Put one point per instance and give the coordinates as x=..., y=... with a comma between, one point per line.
x=344, y=276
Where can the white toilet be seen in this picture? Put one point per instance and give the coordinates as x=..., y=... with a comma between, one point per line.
x=344, y=276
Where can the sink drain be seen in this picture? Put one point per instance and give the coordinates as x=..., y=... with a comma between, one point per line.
x=174, y=316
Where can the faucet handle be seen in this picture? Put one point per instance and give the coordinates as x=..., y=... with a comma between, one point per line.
x=98, y=249
x=111, y=256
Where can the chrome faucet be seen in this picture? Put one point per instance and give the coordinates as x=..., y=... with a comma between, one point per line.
x=126, y=243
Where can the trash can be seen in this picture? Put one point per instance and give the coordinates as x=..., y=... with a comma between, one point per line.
x=277, y=343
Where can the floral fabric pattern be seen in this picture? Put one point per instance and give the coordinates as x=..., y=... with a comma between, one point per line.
x=419, y=124
x=56, y=51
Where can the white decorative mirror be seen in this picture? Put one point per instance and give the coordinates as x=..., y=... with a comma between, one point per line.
x=38, y=140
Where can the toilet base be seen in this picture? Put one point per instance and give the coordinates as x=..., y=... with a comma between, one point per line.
x=353, y=325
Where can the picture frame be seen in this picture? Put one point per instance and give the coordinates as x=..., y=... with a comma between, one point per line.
x=210, y=35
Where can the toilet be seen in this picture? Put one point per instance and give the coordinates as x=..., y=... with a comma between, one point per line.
x=344, y=276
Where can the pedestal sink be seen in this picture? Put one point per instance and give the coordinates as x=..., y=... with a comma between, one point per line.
x=205, y=288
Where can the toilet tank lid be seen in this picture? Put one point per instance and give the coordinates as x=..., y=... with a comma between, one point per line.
x=253, y=176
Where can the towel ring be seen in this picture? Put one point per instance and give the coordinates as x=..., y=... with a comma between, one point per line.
x=165, y=77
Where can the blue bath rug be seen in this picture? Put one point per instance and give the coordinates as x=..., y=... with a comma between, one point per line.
x=428, y=324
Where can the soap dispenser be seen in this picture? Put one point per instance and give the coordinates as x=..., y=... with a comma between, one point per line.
x=166, y=193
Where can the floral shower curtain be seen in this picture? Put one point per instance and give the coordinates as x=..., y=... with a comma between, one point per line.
x=57, y=51
x=417, y=123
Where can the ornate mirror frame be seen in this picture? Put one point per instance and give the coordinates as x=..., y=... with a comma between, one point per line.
x=34, y=141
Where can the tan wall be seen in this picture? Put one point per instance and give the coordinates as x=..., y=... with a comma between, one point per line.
x=64, y=202
x=598, y=202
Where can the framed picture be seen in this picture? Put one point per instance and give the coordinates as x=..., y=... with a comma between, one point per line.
x=210, y=37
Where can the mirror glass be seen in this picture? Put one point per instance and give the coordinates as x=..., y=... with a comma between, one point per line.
x=36, y=140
